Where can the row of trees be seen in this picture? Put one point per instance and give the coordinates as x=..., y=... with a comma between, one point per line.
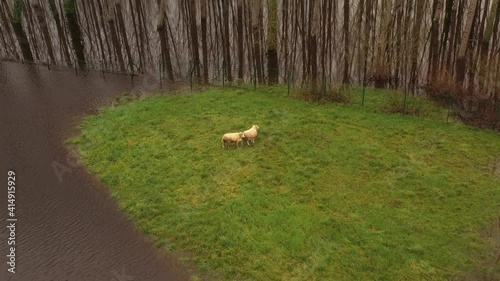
x=437, y=44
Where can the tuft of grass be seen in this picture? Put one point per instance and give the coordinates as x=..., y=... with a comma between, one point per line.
x=329, y=191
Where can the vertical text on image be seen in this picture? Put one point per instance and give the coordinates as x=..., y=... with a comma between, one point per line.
x=11, y=221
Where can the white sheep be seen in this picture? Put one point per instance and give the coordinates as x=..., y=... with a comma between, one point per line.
x=251, y=134
x=232, y=137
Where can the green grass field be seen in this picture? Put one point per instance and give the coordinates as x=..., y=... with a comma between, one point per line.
x=328, y=192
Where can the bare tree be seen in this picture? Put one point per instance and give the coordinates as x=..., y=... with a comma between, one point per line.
x=313, y=47
x=434, y=45
x=74, y=28
x=60, y=32
x=392, y=43
x=460, y=66
x=165, y=49
x=256, y=26
x=40, y=15
x=114, y=36
x=10, y=43
x=487, y=36
x=123, y=32
x=97, y=32
x=272, y=42
x=19, y=30
x=194, y=37
x=346, y=42
x=204, y=45
x=227, y=46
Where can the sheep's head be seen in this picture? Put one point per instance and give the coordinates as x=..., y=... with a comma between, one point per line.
x=242, y=135
x=256, y=127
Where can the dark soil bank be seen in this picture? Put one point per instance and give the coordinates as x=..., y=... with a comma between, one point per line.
x=68, y=227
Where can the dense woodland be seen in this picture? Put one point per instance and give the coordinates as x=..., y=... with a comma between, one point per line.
x=446, y=47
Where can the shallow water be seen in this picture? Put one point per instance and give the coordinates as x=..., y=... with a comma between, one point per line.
x=68, y=227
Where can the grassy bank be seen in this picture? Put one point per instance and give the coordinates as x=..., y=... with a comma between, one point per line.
x=327, y=192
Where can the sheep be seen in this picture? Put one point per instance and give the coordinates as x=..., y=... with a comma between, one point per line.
x=232, y=137
x=251, y=134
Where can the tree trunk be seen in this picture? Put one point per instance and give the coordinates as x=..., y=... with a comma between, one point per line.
x=495, y=26
x=272, y=42
x=111, y=55
x=248, y=35
x=19, y=31
x=40, y=16
x=194, y=38
x=256, y=11
x=361, y=40
x=4, y=11
x=284, y=46
x=486, y=40
x=419, y=15
x=140, y=48
x=204, y=45
x=446, y=30
x=313, y=48
x=460, y=66
x=368, y=26
x=123, y=31
x=33, y=36
x=87, y=31
x=399, y=51
x=97, y=29
x=227, y=45
x=74, y=28
x=382, y=73
x=241, y=52
x=4, y=52
x=64, y=41
x=145, y=46
x=305, y=40
x=345, y=79
x=453, y=40
x=434, y=45
x=114, y=35
x=165, y=49
x=173, y=44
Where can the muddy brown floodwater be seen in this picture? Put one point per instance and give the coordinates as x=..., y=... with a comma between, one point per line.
x=69, y=229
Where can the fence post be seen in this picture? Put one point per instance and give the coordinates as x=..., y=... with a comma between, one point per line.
x=131, y=72
x=254, y=77
x=449, y=108
x=324, y=86
x=159, y=74
x=404, y=105
x=102, y=70
x=497, y=119
x=288, y=82
x=223, y=71
x=364, y=90
x=76, y=62
x=191, y=75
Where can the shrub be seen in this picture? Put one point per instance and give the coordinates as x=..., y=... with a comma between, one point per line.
x=414, y=106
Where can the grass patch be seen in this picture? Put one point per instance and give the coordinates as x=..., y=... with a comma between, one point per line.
x=329, y=191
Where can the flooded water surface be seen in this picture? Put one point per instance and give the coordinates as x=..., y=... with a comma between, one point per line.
x=68, y=227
